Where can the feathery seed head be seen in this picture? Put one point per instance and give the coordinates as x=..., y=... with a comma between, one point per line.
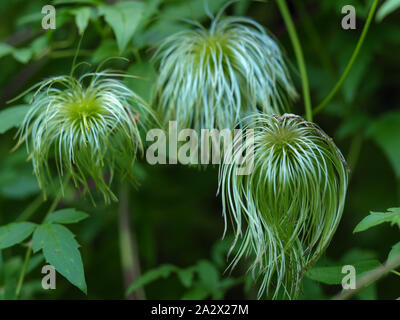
x=209, y=78
x=89, y=129
x=291, y=203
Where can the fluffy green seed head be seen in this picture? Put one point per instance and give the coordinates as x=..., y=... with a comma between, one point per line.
x=210, y=78
x=91, y=130
x=287, y=210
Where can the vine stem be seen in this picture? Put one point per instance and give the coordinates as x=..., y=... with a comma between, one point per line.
x=299, y=56
x=76, y=54
x=30, y=209
x=395, y=272
x=351, y=61
x=23, y=271
x=128, y=246
x=370, y=278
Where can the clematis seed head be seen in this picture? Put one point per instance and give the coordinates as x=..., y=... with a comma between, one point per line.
x=287, y=210
x=210, y=78
x=90, y=129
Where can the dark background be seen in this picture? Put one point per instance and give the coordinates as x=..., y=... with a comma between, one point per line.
x=175, y=211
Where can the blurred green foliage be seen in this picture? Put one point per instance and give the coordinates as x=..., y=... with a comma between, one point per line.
x=175, y=211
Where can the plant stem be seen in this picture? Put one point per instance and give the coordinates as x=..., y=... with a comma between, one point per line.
x=352, y=60
x=369, y=278
x=395, y=272
x=128, y=245
x=299, y=56
x=30, y=209
x=23, y=272
x=69, y=53
x=76, y=54
x=354, y=152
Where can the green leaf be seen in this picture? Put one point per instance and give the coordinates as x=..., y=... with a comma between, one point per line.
x=123, y=18
x=82, y=16
x=22, y=55
x=196, y=293
x=14, y=233
x=186, y=276
x=12, y=117
x=5, y=49
x=368, y=293
x=386, y=133
x=312, y=290
x=60, y=249
x=356, y=254
x=376, y=218
x=1, y=264
x=387, y=8
x=20, y=185
x=108, y=48
x=66, y=216
x=193, y=9
x=334, y=275
x=34, y=262
x=94, y=2
x=163, y=271
x=143, y=86
x=39, y=45
x=395, y=252
x=10, y=286
x=208, y=274
x=356, y=123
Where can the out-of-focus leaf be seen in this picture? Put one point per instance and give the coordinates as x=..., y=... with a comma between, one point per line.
x=30, y=288
x=334, y=275
x=387, y=8
x=196, y=293
x=14, y=233
x=356, y=123
x=12, y=266
x=34, y=262
x=94, y=2
x=395, y=252
x=186, y=276
x=5, y=49
x=159, y=30
x=60, y=249
x=123, y=18
x=223, y=286
x=355, y=254
x=22, y=55
x=10, y=285
x=163, y=271
x=143, y=86
x=386, y=133
x=35, y=17
x=1, y=264
x=193, y=9
x=39, y=45
x=12, y=117
x=354, y=80
x=368, y=293
x=241, y=7
x=108, y=48
x=312, y=290
x=208, y=274
x=66, y=216
x=18, y=185
x=82, y=16
x=376, y=218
